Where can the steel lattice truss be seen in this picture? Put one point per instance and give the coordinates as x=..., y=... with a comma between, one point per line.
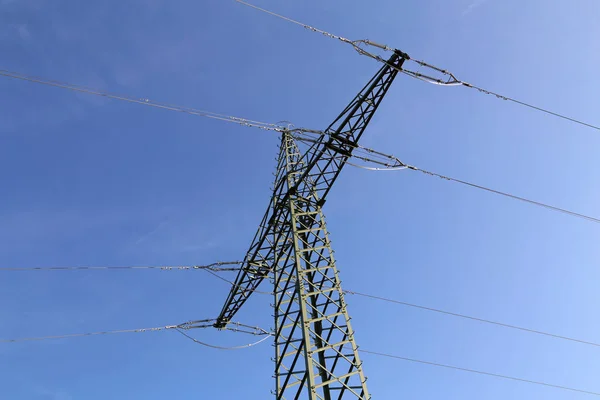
x=316, y=355
x=313, y=338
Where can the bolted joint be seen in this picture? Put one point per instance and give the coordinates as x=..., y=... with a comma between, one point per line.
x=402, y=54
x=221, y=323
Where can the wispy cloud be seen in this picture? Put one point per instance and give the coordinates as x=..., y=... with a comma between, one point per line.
x=151, y=232
x=23, y=31
x=22, y=230
x=474, y=4
x=50, y=394
x=181, y=231
x=177, y=235
x=15, y=31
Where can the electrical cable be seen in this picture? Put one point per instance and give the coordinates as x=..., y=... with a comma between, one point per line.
x=212, y=267
x=273, y=127
x=235, y=284
x=197, y=324
x=181, y=327
x=212, y=270
x=451, y=80
x=295, y=22
x=375, y=168
x=212, y=346
x=531, y=106
x=487, y=321
x=481, y=372
x=396, y=164
x=29, y=339
x=512, y=196
x=147, y=102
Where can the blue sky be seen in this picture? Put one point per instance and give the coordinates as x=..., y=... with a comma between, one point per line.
x=90, y=181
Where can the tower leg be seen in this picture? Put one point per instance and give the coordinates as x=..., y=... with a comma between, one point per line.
x=316, y=355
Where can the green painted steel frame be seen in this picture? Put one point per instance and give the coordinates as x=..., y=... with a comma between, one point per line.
x=315, y=356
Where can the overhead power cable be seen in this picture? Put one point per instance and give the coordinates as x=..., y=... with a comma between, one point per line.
x=450, y=313
x=445, y=78
x=147, y=102
x=510, y=326
x=234, y=284
x=501, y=97
x=212, y=346
x=262, y=332
x=186, y=326
x=481, y=372
x=512, y=196
x=213, y=268
x=73, y=335
x=301, y=134
x=487, y=321
x=395, y=164
x=218, y=266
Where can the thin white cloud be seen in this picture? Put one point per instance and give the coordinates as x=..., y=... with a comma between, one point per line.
x=53, y=394
x=474, y=4
x=23, y=31
x=151, y=232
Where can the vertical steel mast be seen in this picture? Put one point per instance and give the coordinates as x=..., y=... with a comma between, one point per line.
x=316, y=356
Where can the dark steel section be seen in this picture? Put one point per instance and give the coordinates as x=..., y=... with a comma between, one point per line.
x=322, y=164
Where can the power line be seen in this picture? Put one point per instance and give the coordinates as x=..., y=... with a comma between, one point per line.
x=449, y=78
x=212, y=267
x=465, y=84
x=510, y=326
x=272, y=127
x=481, y=372
x=512, y=196
x=73, y=335
x=147, y=102
x=395, y=164
x=260, y=332
x=331, y=35
x=212, y=346
x=198, y=324
x=487, y=321
x=234, y=284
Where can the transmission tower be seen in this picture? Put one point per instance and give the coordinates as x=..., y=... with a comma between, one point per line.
x=316, y=356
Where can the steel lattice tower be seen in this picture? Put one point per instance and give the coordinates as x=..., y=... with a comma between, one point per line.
x=316, y=356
